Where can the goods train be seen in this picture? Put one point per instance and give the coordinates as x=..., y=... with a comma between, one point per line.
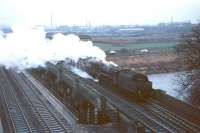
x=126, y=80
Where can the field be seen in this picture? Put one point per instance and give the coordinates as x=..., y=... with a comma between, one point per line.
x=115, y=47
x=161, y=57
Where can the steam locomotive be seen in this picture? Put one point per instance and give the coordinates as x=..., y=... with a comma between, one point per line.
x=124, y=80
x=133, y=83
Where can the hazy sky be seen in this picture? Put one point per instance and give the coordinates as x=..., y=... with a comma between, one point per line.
x=97, y=11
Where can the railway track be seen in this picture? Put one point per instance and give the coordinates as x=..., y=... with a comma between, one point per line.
x=17, y=120
x=181, y=123
x=39, y=109
x=148, y=122
x=175, y=123
x=162, y=115
x=154, y=117
x=45, y=112
x=125, y=107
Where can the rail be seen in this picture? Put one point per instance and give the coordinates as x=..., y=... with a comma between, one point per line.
x=15, y=112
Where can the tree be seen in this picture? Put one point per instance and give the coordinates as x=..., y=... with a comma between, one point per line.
x=189, y=54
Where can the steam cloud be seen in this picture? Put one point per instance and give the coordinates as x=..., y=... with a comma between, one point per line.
x=28, y=47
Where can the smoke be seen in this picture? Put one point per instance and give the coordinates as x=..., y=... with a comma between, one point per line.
x=28, y=47
x=81, y=73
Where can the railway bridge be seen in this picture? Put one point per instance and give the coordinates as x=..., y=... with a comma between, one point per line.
x=154, y=116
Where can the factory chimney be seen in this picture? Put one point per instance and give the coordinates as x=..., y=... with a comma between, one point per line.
x=51, y=17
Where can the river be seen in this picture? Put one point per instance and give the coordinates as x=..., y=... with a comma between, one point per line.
x=167, y=82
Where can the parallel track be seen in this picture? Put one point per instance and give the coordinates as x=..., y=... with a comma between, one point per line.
x=17, y=117
x=24, y=105
x=48, y=116
x=179, y=122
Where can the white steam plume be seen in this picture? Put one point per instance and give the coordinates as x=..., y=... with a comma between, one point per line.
x=81, y=73
x=28, y=47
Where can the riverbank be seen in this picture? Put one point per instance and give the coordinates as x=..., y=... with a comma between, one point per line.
x=169, y=82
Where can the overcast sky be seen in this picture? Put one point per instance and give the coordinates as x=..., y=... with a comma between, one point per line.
x=97, y=12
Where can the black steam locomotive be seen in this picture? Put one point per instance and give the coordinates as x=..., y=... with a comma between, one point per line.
x=133, y=83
